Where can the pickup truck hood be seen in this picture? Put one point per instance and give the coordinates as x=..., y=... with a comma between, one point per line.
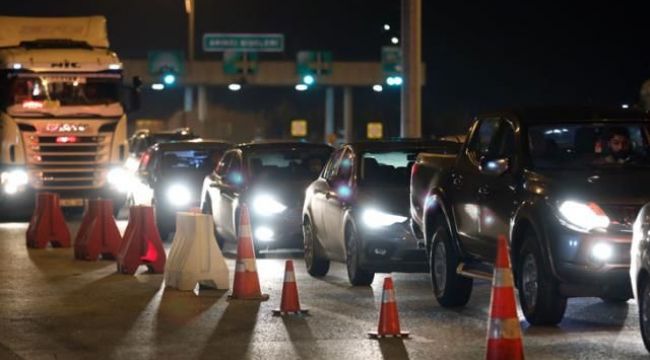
x=393, y=200
x=628, y=187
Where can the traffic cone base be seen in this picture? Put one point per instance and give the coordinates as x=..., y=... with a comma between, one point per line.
x=376, y=335
x=246, y=285
x=289, y=304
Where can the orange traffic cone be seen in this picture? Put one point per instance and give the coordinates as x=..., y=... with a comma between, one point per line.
x=504, y=332
x=388, y=316
x=289, y=303
x=246, y=285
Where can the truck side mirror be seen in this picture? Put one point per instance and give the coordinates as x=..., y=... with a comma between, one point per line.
x=494, y=167
x=131, y=95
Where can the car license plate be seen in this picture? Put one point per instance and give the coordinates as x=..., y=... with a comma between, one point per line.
x=71, y=202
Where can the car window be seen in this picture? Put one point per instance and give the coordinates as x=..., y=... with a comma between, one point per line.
x=330, y=168
x=224, y=164
x=234, y=174
x=505, y=143
x=344, y=168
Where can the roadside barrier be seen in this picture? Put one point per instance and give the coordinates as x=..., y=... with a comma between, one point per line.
x=388, y=315
x=246, y=285
x=141, y=244
x=98, y=233
x=504, y=332
x=290, y=304
x=195, y=257
x=47, y=224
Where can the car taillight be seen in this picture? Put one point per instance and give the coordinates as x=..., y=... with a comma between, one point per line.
x=66, y=139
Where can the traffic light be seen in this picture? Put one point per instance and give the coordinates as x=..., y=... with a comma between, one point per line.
x=168, y=76
x=310, y=65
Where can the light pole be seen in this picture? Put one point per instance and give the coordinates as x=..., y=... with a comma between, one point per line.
x=188, y=96
x=411, y=119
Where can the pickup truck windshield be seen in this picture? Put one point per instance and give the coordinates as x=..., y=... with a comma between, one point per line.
x=297, y=164
x=589, y=145
x=387, y=168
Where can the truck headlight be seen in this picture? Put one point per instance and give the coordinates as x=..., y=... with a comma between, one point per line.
x=587, y=216
x=179, y=195
x=266, y=205
x=376, y=219
x=13, y=180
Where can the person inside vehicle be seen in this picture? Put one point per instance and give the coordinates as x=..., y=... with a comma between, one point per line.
x=619, y=147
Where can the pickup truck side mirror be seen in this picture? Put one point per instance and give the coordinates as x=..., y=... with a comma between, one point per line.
x=494, y=167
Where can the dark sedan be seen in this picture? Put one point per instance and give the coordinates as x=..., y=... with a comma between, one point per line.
x=270, y=178
x=357, y=210
x=170, y=177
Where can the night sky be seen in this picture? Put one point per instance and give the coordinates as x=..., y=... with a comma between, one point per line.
x=478, y=57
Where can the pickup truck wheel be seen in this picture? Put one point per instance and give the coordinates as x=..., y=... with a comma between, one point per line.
x=449, y=288
x=644, y=312
x=539, y=297
x=317, y=266
x=356, y=275
x=206, y=208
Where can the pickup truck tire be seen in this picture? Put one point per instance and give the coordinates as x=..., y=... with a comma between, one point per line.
x=644, y=311
x=356, y=275
x=539, y=297
x=449, y=288
x=315, y=263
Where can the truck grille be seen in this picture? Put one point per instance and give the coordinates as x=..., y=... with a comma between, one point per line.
x=60, y=165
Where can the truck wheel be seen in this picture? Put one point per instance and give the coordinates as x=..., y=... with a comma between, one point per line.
x=316, y=264
x=356, y=275
x=539, y=297
x=449, y=288
x=644, y=312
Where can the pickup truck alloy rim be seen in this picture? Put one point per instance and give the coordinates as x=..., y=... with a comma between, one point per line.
x=530, y=281
x=440, y=266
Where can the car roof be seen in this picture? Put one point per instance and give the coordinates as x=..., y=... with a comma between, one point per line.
x=280, y=144
x=396, y=144
x=570, y=114
x=193, y=144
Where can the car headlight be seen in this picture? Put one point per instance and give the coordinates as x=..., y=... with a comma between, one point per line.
x=179, y=195
x=13, y=180
x=587, y=216
x=375, y=219
x=266, y=205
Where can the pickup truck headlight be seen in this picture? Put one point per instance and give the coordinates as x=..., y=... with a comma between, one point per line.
x=179, y=195
x=13, y=180
x=587, y=216
x=377, y=219
x=266, y=205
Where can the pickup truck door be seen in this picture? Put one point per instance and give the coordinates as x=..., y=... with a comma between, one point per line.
x=217, y=183
x=498, y=192
x=466, y=180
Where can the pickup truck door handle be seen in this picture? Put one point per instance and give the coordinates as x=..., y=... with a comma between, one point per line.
x=484, y=190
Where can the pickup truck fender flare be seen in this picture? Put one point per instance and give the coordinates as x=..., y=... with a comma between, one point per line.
x=530, y=214
x=435, y=203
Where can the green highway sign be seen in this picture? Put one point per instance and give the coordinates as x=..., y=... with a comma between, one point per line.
x=391, y=59
x=220, y=42
x=165, y=61
x=239, y=63
x=314, y=62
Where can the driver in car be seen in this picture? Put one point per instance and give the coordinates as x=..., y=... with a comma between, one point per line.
x=619, y=147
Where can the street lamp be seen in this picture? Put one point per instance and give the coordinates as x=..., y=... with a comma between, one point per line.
x=234, y=87
x=377, y=88
x=301, y=87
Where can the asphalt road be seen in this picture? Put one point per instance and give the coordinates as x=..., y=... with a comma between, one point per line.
x=54, y=307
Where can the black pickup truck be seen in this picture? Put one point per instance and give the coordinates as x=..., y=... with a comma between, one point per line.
x=563, y=185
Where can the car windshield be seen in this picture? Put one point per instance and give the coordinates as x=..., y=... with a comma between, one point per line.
x=388, y=167
x=296, y=164
x=589, y=145
x=204, y=160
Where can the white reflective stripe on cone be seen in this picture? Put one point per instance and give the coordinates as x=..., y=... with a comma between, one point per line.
x=289, y=276
x=245, y=232
x=502, y=278
x=388, y=296
x=245, y=265
x=504, y=329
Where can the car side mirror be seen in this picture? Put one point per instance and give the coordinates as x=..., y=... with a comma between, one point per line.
x=235, y=180
x=494, y=167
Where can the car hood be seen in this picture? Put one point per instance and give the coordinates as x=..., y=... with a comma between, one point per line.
x=602, y=187
x=393, y=200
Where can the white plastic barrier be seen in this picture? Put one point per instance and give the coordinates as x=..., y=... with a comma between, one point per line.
x=195, y=257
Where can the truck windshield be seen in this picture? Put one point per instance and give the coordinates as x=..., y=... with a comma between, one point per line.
x=387, y=168
x=50, y=93
x=589, y=145
x=297, y=164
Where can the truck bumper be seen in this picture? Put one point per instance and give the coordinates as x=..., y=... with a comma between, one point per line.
x=392, y=249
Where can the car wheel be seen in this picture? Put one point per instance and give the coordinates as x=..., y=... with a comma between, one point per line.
x=644, y=312
x=356, y=275
x=539, y=297
x=206, y=208
x=316, y=264
x=449, y=288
